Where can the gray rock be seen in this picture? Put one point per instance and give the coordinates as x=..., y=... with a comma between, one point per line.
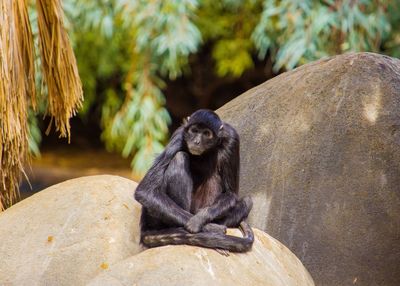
x=320, y=152
x=89, y=227
x=268, y=263
x=70, y=232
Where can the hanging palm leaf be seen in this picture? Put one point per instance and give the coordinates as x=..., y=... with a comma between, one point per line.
x=58, y=66
x=17, y=84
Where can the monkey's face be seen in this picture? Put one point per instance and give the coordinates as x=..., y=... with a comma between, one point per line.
x=200, y=139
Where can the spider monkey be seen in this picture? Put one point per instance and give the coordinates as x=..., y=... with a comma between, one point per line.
x=190, y=194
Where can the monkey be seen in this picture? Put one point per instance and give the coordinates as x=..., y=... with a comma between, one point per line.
x=190, y=193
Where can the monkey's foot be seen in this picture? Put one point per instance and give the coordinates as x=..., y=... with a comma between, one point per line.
x=213, y=227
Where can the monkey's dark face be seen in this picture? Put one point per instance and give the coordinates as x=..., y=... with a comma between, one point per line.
x=200, y=139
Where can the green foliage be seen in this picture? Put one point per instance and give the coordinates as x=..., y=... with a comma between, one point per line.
x=391, y=46
x=126, y=49
x=166, y=33
x=140, y=125
x=232, y=56
x=163, y=38
x=228, y=25
x=302, y=31
x=102, y=45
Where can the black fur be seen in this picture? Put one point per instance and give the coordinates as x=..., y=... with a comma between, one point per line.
x=190, y=194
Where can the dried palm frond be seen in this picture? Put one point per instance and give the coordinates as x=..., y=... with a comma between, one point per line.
x=16, y=83
x=59, y=66
x=23, y=28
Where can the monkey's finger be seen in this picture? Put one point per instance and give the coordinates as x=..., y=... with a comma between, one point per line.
x=223, y=252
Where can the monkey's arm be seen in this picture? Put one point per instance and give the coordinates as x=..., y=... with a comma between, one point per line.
x=229, y=159
x=151, y=191
x=163, y=207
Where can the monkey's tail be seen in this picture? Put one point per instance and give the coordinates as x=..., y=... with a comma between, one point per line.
x=178, y=236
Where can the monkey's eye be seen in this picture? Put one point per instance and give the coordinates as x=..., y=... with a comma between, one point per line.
x=193, y=129
x=207, y=133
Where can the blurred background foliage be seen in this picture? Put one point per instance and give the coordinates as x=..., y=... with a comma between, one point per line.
x=145, y=64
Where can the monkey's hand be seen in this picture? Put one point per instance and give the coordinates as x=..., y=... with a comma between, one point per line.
x=195, y=223
x=213, y=227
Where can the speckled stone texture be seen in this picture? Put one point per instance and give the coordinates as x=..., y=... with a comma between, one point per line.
x=269, y=263
x=70, y=232
x=320, y=149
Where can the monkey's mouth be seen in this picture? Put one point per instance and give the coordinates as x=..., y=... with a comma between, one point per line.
x=194, y=150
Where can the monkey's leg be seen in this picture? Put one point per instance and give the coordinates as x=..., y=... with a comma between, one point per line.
x=238, y=213
x=220, y=208
x=235, y=217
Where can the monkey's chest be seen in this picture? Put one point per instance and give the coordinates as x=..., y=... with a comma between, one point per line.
x=206, y=181
x=205, y=192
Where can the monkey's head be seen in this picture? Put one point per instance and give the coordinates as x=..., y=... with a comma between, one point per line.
x=202, y=130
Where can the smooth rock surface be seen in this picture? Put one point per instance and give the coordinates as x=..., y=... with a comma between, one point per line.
x=269, y=263
x=70, y=232
x=320, y=154
x=89, y=227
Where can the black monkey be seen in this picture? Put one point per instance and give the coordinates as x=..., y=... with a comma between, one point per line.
x=190, y=194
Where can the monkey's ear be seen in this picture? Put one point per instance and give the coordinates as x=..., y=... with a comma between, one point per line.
x=221, y=130
x=186, y=120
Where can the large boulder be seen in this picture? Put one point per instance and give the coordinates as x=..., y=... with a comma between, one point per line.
x=320, y=153
x=89, y=227
x=269, y=263
x=70, y=232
